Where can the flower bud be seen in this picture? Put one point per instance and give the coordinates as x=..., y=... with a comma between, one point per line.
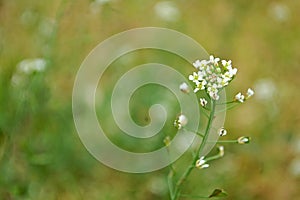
x=184, y=87
x=203, y=102
x=222, y=132
x=243, y=140
x=201, y=163
x=181, y=121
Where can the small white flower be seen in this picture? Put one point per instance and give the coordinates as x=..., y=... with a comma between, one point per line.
x=197, y=64
x=181, y=121
x=201, y=163
x=221, y=151
x=239, y=97
x=231, y=72
x=222, y=132
x=243, y=140
x=184, y=87
x=226, y=63
x=200, y=85
x=213, y=92
x=214, y=96
x=203, y=102
x=213, y=60
x=194, y=77
x=250, y=93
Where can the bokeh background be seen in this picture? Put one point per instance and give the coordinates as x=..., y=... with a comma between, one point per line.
x=41, y=156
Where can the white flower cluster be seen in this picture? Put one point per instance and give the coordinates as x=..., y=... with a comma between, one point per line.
x=212, y=75
x=241, y=98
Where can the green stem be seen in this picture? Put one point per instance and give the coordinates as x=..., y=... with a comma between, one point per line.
x=228, y=108
x=204, y=112
x=188, y=171
x=228, y=102
x=194, y=196
x=223, y=141
x=213, y=157
x=197, y=133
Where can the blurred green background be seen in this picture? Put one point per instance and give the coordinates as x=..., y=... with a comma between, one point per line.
x=41, y=156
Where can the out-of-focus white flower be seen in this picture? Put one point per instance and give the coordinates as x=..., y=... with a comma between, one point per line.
x=296, y=145
x=181, y=121
x=265, y=89
x=239, y=97
x=212, y=76
x=294, y=167
x=243, y=140
x=29, y=66
x=184, y=87
x=167, y=10
x=250, y=93
x=47, y=27
x=29, y=17
x=201, y=163
x=221, y=151
x=203, y=102
x=279, y=11
x=157, y=186
x=222, y=132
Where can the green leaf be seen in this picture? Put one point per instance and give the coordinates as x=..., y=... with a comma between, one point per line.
x=218, y=193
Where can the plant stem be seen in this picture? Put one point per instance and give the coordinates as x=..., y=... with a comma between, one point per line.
x=188, y=171
x=223, y=141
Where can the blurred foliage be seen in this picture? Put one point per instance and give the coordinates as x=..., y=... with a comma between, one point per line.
x=41, y=156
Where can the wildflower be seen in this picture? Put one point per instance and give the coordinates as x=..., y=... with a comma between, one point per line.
x=243, y=140
x=226, y=63
x=221, y=151
x=212, y=75
x=201, y=163
x=222, y=132
x=214, y=60
x=29, y=66
x=184, y=87
x=203, y=102
x=181, y=121
x=200, y=64
x=250, y=93
x=200, y=85
x=194, y=77
x=239, y=97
